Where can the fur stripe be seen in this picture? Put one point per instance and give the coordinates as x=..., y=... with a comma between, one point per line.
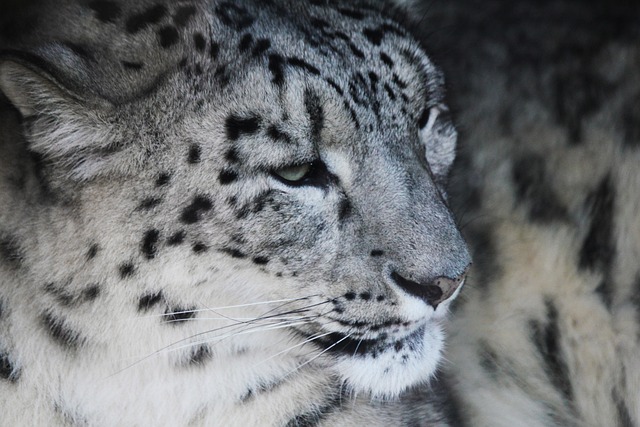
x=546, y=338
x=315, y=416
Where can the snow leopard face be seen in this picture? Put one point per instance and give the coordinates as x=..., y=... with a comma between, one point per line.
x=278, y=162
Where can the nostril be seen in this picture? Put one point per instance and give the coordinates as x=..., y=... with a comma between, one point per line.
x=433, y=292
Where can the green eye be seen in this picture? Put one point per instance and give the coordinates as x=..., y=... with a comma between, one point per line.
x=294, y=173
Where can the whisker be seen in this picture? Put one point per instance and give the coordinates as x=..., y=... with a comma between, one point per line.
x=318, y=355
x=313, y=338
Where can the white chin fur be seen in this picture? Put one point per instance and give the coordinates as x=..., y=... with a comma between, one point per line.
x=392, y=372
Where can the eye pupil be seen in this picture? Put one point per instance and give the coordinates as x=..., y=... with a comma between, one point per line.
x=294, y=173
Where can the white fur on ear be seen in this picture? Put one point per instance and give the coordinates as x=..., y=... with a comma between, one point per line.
x=60, y=126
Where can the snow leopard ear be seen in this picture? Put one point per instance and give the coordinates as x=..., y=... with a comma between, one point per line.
x=439, y=138
x=57, y=123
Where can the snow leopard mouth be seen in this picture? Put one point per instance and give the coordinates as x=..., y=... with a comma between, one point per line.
x=341, y=344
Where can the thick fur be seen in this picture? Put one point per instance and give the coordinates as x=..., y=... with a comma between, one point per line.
x=159, y=265
x=547, y=188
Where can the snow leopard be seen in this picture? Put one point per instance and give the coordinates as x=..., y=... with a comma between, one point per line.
x=223, y=213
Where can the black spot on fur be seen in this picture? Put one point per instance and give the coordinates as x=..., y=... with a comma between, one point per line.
x=183, y=15
x=260, y=260
x=276, y=67
x=60, y=332
x=386, y=59
x=314, y=109
x=350, y=296
x=598, y=250
x=624, y=416
x=91, y=293
x=301, y=63
x=126, y=270
x=199, y=355
x=168, y=36
x=61, y=296
x=373, y=35
x=485, y=259
x=227, y=176
x=245, y=43
x=105, y=11
x=546, y=338
x=377, y=252
x=150, y=243
x=261, y=46
x=399, y=82
x=10, y=252
x=357, y=52
x=179, y=315
x=275, y=133
x=194, y=154
x=234, y=16
x=234, y=253
x=605, y=291
x=344, y=210
x=149, y=203
x=163, y=179
x=530, y=178
x=193, y=213
x=93, y=251
x=488, y=359
x=214, y=50
x=176, y=238
x=350, y=13
x=315, y=416
x=199, y=42
x=199, y=247
x=142, y=20
x=147, y=302
x=135, y=66
x=8, y=371
x=237, y=126
x=335, y=86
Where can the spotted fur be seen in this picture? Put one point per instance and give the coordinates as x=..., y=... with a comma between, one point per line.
x=158, y=266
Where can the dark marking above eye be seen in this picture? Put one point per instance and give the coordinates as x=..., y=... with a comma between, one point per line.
x=344, y=210
x=168, y=36
x=183, y=14
x=275, y=133
x=194, y=154
x=105, y=11
x=150, y=243
x=194, y=211
x=199, y=42
x=142, y=20
x=377, y=252
x=148, y=301
x=126, y=270
x=237, y=126
x=365, y=296
x=314, y=110
x=245, y=42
